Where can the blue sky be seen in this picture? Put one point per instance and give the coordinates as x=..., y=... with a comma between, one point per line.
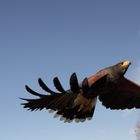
x=56, y=38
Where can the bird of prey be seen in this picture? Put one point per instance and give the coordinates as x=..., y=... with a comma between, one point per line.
x=78, y=103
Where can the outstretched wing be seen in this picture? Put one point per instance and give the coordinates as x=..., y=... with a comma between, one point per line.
x=124, y=94
x=54, y=100
x=62, y=102
x=75, y=103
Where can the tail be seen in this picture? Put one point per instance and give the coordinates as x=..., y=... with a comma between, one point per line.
x=69, y=105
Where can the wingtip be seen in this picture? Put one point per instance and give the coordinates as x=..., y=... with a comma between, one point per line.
x=74, y=83
x=27, y=87
x=45, y=87
x=85, y=86
x=58, y=85
x=55, y=78
x=21, y=98
x=39, y=79
x=74, y=74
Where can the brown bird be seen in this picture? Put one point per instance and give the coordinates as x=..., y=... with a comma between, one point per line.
x=109, y=85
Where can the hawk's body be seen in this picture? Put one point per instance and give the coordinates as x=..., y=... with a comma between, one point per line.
x=109, y=84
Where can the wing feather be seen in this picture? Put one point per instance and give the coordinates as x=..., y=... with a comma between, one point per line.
x=33, y=92
x=45, y=87
x=58, y=85
x=74, y=85
x=124, y=94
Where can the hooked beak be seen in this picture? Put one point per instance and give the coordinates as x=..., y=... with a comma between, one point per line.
x=126, y=63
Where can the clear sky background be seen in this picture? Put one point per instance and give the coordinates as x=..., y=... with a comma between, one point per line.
x=48, y=38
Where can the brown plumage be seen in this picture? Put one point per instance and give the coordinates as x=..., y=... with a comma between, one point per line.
x=109, y=84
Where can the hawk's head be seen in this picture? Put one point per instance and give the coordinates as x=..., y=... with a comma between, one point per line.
x=121, y=67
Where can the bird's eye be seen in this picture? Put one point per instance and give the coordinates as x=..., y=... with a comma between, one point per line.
x=121, y=63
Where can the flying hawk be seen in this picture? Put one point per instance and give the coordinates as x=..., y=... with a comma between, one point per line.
x=78, y=103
